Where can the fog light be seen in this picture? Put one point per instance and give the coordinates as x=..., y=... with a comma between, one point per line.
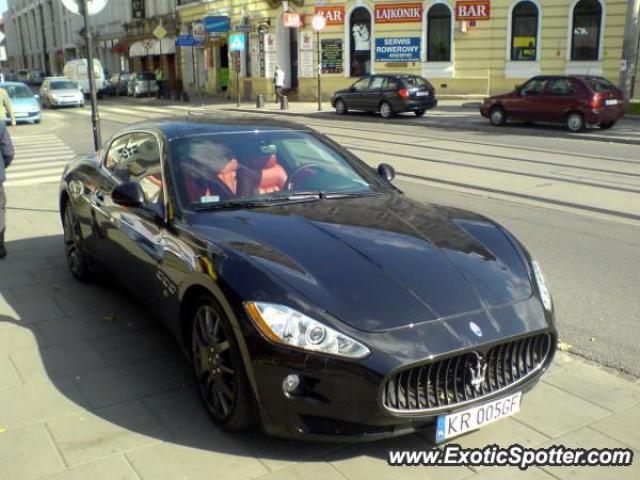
x=290, y=384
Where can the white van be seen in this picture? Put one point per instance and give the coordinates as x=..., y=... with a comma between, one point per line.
x=76, y=70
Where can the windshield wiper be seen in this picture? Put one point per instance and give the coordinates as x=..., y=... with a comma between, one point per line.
x=368, y=193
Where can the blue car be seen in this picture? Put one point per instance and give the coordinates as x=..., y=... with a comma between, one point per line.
x=25, y=104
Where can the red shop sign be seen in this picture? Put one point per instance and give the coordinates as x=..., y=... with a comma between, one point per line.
x=398, y=12
x=334, y=14
x=473, y=10
x=292, y=20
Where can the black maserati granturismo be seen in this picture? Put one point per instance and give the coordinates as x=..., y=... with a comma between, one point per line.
x=310, y=294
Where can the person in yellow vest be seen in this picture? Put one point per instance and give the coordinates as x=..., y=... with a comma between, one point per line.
x=160, y=82
x=6, y=107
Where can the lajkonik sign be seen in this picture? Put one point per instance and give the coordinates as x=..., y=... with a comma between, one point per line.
x=398, y=12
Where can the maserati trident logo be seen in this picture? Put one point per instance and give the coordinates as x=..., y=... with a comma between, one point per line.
x=477, y=331
x=478, y=372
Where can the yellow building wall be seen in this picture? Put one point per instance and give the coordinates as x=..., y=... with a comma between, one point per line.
x=479, y=54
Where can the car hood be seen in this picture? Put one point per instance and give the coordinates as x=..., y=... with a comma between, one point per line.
x=24, y=104
x=67, y=92
x=378, y=263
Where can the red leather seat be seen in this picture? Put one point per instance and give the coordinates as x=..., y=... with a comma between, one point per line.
x=263, y=175
x=273, y=176
x=224, y=185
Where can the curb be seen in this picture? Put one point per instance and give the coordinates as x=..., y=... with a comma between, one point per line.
x=447, y=126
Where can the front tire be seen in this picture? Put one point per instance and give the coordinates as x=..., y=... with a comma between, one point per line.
x=420, y=112
x=385, y=110
x=575, y=122
x=73, y=242
x=218, y=368
x=341, y=107
x=497, y=116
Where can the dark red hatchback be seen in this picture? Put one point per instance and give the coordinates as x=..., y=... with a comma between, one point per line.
x=575, y=101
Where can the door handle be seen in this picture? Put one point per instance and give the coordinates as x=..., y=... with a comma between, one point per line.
x=98, y=199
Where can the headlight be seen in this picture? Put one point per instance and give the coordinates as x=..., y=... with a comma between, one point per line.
x=284, y=325
x=542, y=286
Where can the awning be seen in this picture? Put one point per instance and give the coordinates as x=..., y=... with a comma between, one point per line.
x=168, y=46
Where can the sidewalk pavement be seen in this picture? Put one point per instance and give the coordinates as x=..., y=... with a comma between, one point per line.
x=93, y=387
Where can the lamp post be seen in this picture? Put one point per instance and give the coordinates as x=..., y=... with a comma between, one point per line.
x=318, y=24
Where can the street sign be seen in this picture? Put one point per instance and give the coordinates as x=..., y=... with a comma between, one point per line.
x=216, y=24
x=187, y=41
x=243, y=28
x=2, y=37
x=93, y=6
x=236, y=42
x=147, y=43
x=263, y=29
x=199, y=31
x=159, y=32
x=319, y=22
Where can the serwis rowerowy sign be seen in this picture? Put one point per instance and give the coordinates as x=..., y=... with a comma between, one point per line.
x=398, y=12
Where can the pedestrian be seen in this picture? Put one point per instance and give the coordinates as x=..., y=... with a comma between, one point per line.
x=278, y=83
x=6, y=156
x=160, y=82
x=6, y=107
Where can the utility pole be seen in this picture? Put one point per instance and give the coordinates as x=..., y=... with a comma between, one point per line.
x=95, y=118
x=628, y=67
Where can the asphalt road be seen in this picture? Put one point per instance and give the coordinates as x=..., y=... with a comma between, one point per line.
x=575, y=203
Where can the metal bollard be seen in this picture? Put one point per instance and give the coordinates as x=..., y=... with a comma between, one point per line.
x=260, y=101
x=284, y=103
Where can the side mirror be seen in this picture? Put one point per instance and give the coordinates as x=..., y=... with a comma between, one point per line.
x=387, y=172
x=128, y=194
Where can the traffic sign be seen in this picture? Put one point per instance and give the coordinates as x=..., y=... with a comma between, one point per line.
x=199, y=31
x=263, y=29
x=147, y=43
x=236, y=42
x=93, y=6
x=159, y=32
x=216, y=24
x=319, y=22
x=2, y=37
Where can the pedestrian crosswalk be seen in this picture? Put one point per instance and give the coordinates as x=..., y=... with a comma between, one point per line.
x=39, y=159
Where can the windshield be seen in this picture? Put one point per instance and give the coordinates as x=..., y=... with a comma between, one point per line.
x=18, y=91
x=212, y=170
x=64, y=85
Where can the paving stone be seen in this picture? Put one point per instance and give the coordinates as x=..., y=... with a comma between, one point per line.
x=181, y=410
x=624, y=426
x=9, y=376
x=85, y=437
x=307, y=471
x=59, y=361
x=369, y=460
x=200, y=455
x=28, y=453
x=36, y=309
x=502, y=433
x=113, y=468
x=38, y=402
x=509, y=473
x=597, y=386
x=15, y=338
x=74, y=329
x=554, y=412
x=134, y=346
x=588, y=438
x=17, y=279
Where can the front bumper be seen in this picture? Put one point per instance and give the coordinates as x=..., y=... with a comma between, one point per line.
x=67, y=102
x=23, y=117
x=343, y=398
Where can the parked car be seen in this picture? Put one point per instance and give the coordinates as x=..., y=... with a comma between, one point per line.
x=307, y=291
x=388, y=94
x=61, y=92
x=35, y=77
x=22, y=75
x=118, y=83
x=576, y=101
x=142, y=84
x=25, y=104
x=76, y=70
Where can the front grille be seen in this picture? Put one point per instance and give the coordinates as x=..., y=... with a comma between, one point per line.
x=449, y=382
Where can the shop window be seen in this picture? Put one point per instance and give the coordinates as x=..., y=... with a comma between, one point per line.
x=360, y=40
x=439, y=33
x=524, y=31
x=585, y=33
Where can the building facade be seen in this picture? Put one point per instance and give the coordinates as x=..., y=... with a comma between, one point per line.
x=466, y=48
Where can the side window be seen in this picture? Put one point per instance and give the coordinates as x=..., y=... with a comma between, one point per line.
x=361, y=85
x=560, y=86
x=377, y=83
x=534, y=87
x=392, y=84
x=136, y=158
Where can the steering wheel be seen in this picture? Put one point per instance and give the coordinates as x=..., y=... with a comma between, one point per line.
x=302, y=170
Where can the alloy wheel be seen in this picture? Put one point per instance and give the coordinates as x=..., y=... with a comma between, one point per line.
x=575, y=122
x=497, y=116
x=385, y=110
x=73, y=245
x=212, y=362
x=341, y=108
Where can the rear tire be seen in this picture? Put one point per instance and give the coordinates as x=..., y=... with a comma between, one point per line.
x=218, y=368
x=385, y=110
x=420, y=113
x=341, y=107
x=575, y=122
x=606, y=125
x=497, y=116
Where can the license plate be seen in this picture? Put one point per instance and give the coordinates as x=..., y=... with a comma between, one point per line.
x=21, y=114
x=455, y=424
x=613, y=101
x=422, y=94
